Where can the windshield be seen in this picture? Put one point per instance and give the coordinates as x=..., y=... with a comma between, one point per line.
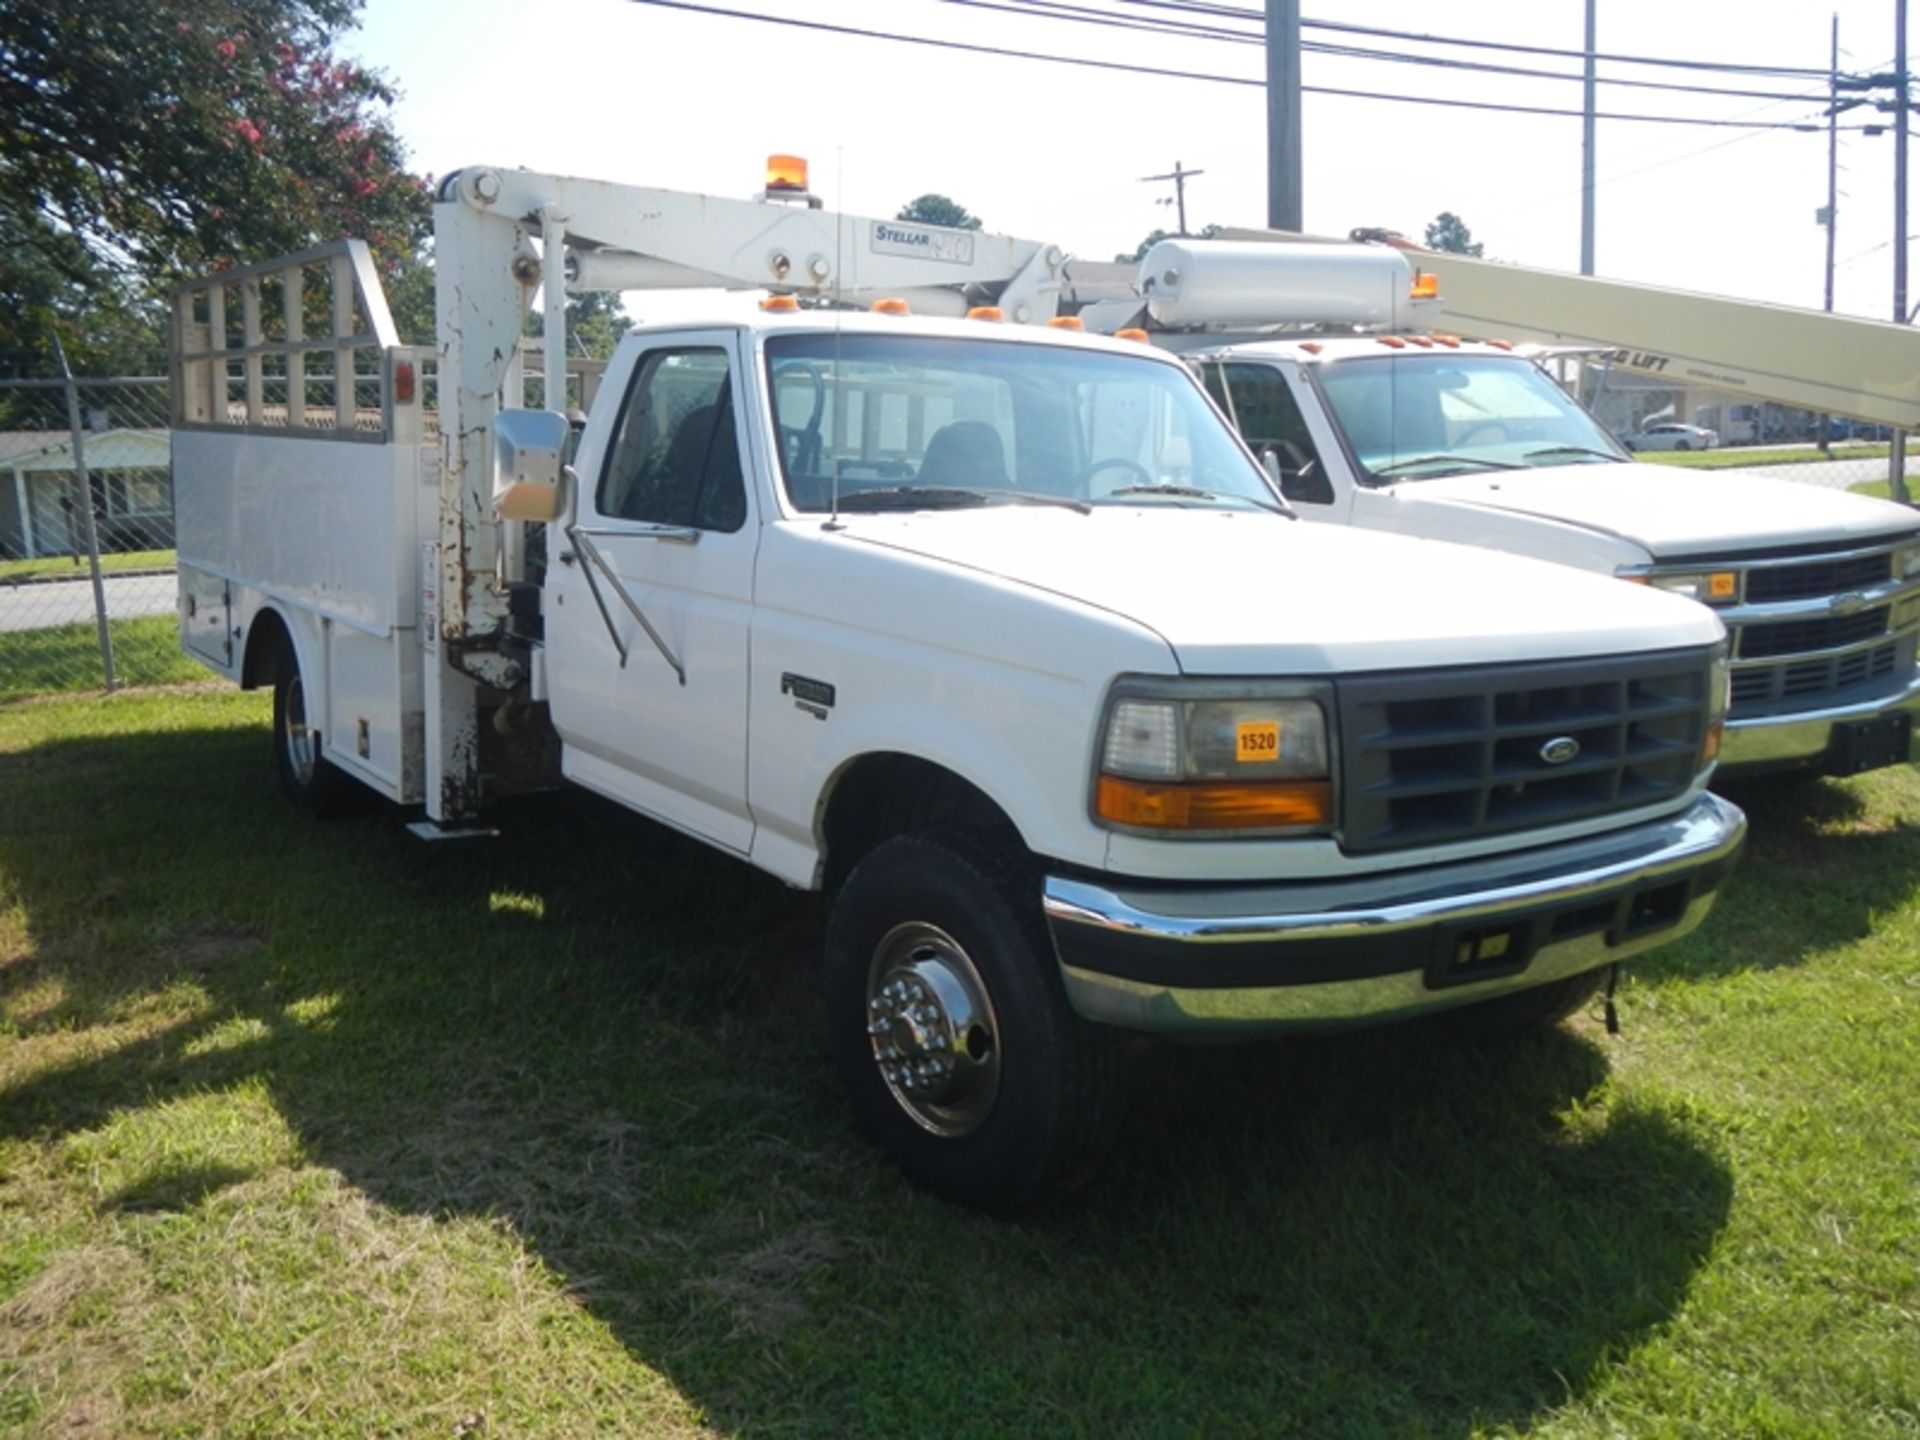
x=1417, y=417
x=927, y=422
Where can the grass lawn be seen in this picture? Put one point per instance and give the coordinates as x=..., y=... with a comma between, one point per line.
x=146, y=651
x=1756, y=456
x=1882, y=490
x=317, y=1130
x=61, y=567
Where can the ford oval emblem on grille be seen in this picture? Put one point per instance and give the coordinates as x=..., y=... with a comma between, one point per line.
x=1849, y=604
x=1559, y=750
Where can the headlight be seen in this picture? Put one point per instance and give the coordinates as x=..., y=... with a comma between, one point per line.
x=1719, y=701
x=1709, y=587
x=1906, y=562
x=1211, y=758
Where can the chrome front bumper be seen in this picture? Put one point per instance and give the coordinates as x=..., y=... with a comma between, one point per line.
x=1813, y=739
x=1192, y=959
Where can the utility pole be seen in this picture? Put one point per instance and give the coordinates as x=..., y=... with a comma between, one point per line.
x=1179, y=176
x=1284, y=206
x=1830, y=215
x=1587, y=143
x=1897, y=467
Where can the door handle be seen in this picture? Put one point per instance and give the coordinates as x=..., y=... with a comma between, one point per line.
x=566, y=557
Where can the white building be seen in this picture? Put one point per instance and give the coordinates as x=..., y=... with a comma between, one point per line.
x=132, y=482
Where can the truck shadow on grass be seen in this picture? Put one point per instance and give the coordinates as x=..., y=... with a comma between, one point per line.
x=606, y=1040
x=1820, y=863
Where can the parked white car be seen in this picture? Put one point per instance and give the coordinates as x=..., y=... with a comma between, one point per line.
x=1673, y=436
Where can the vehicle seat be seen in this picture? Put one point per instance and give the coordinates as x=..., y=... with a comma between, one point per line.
x=967, y=454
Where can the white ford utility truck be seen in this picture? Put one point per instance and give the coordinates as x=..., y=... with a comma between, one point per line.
x=998, y=631
x=1402, y=430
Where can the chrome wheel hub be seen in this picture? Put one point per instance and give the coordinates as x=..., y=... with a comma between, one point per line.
x=300, y=745
x=933, y=1031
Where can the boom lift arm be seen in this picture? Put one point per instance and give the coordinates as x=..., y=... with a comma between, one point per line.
x=1829, y=364
x=499, y=234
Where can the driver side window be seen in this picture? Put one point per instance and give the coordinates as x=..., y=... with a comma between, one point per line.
x=1269, y=418
x=675, y=458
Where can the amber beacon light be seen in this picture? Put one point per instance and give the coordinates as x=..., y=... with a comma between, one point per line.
x=787, y=173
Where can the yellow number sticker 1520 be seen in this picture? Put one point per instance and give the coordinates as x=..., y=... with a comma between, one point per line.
x=1257, y=740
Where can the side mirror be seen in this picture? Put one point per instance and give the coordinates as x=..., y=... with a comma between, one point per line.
x=1270, y=462
x=529, y=462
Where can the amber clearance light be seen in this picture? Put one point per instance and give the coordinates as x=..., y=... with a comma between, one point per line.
x=1710, y=750
x=1213, y=805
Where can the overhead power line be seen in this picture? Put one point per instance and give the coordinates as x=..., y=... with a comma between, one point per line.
x=1088, y=15
x=1724, y=67
x=1237, y=12
x=1125, y=67
x=1067, y=13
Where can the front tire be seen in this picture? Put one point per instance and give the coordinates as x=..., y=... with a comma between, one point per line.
x=958, y=1049
x=305, y=776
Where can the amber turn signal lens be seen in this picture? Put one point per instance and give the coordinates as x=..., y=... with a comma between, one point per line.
x=1710, y=751
x=1426, y=286
x=1214, y=805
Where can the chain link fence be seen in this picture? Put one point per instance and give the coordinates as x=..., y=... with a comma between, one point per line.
x=86, y=536
x=1846, y=465
x=87, y=586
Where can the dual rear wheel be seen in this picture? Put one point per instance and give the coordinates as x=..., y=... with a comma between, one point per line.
x=306, y=777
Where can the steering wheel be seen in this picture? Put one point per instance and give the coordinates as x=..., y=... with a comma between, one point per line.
x=801, y=443
x=1082, y=482
x=1502, y=435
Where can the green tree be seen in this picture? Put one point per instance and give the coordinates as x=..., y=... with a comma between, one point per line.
x=932, y=209
x=1450, y=233
x=595, y=323
x=49, y=280
x=1207, y=232
x=171, y=135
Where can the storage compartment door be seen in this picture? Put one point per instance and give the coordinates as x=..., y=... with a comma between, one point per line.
x=206, y=618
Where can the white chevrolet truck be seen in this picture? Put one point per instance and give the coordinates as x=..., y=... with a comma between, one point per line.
x=1401, y=430
x=996, y=631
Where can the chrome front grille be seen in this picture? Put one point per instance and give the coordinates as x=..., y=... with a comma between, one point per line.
x=1803, y=580
x=1815, y=629
x=1766, y=685
x=1431, y=757
x=1764, y=640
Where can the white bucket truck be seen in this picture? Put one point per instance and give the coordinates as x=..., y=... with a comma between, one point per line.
x=1323, y=353
x=996, y=630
